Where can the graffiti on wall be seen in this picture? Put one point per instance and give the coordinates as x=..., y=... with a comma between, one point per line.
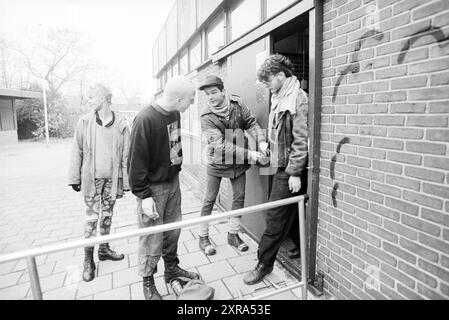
x=354, y=67
x=332, y=169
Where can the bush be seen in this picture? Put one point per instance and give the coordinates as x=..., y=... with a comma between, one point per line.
x=31, y=119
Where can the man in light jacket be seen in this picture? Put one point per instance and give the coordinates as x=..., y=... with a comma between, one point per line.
x=98, y=169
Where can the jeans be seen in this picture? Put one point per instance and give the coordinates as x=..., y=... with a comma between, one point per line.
x=167, y=198
x=238, y=199
x=278, y=220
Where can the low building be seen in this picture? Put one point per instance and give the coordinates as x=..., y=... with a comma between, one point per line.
x=8, y=118
x=377, y=79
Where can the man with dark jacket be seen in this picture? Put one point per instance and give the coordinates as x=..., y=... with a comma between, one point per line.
x=223, y=122
x=155, y=158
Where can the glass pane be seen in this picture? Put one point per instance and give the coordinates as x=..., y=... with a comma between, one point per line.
x=194, y=117
x=186, y=20
x=183, y=64
x=274, y=6
x=162, y=48
x=172, y=33
x=155, y=59
x=215, y=36
x=175, y=67
x=205, y=9
x=195, y=54
x=244, y=17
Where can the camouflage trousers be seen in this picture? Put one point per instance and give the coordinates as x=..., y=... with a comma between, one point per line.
x=100, y=204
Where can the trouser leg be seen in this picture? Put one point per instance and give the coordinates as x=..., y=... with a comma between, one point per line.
x=150, y=246
x=172, y=214
x=238, y=201
x=278, y=221
x=107, y=209
x=213, y=187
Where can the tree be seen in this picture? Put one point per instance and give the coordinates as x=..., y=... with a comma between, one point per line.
x=12, y=73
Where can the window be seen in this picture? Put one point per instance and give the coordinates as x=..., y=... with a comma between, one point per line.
x=205, y=9
x=194, y=117
x=274, y=6
x=159, y=83
x=244, y=17
x=172, y=32
x=183, y=64
x=175, y=67
x=195, y=53
x=186, y=20
x=169, y=72
x=215, y=36
x=162, y=48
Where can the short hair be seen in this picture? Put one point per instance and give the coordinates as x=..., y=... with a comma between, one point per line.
x=107, y=92
x=273, y=65
x=178, y=87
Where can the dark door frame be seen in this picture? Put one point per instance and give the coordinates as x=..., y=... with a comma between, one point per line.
x=315, y=16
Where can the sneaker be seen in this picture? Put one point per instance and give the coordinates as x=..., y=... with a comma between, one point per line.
x=206, y=246
x=235, y=241
x=177, y=272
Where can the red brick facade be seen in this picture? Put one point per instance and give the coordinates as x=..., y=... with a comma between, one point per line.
x=383, y=228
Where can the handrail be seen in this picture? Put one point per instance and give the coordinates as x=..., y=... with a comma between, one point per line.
x=30, y=254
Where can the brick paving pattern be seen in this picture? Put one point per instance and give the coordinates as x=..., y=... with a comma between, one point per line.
x=37, y=208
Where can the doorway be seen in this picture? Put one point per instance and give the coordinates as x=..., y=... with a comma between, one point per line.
x=292, y=41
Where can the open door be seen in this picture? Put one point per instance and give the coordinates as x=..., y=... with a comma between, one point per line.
x=241, y=80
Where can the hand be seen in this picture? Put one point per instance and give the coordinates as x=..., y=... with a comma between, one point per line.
x=294, y=184
x=76, y=187
x=263, y=147
x=149, y=208
x=254, y=156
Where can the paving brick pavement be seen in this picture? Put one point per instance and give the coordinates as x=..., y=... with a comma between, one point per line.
x=37, y=208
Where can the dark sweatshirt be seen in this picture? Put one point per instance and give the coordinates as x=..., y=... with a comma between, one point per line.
x=155, y=153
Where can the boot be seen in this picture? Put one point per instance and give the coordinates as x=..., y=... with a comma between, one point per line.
x=176, y=272
x=89, y=264
x=149, y=289
x=106, y=253
x=256, y=275
x=235, y=241
x=206, y=246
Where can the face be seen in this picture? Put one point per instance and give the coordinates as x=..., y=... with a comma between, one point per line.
x=184, y=103
x=215, y=96
x=275, y=82
x=96, y=99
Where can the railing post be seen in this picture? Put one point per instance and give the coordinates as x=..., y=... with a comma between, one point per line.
x=302, y=244
x=34, y=278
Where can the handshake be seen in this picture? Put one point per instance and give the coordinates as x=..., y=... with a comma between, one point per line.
x=261, y=156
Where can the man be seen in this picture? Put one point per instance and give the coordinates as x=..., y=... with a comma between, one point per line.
x=288, y=144
x=223, y=122
x=155, y=158
x=98, y=170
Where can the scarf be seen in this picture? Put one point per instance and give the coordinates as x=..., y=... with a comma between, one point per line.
x=284, y=100
x=223, y=109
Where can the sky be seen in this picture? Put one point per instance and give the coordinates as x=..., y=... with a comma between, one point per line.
x=123, y=31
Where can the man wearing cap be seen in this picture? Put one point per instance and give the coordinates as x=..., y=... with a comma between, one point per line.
x=223, y=122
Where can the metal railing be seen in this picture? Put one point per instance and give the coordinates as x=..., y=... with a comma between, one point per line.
x=31, y=254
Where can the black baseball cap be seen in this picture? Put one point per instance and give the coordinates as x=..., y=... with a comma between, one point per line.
x=211, y=81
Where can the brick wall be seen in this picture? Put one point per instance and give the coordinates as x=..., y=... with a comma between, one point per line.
x=383, y=228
